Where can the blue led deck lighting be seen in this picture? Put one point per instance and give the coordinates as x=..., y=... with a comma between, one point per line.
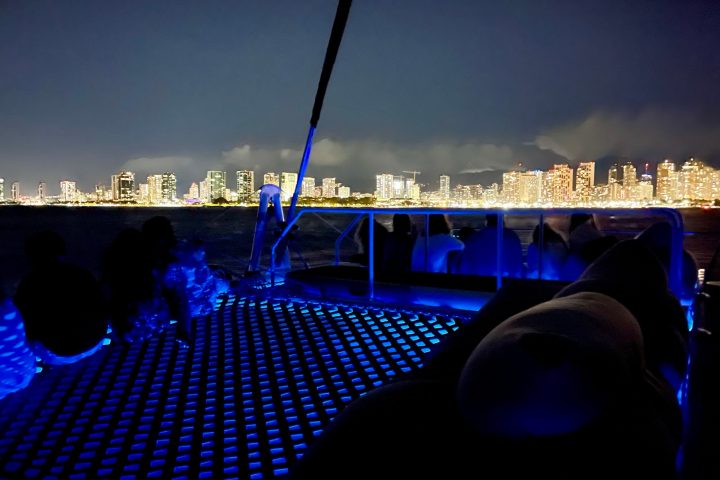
x=262, y=380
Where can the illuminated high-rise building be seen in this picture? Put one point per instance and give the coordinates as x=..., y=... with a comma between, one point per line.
x=667, y=179
x=585, y=180
x=168, y=187
x=329, y=188
x=204, y=190
x=644, y=188
x=530, y=186
x=511, y=187
x=68, y=191
x=271, y=178
x=216, y=184
x=343, y=192
x=102, y=193
x=194, y=192
x=384, y=186
x=562, y=182
x=42, y=191
x=398, y=186
x=629, y=182
x=444, y=187
x=144, y=193
x=288, y=182
x=123, y=187
x=614, y=185
x=308, y=187
x=245, y=185
x=15, y=191
x=694, y=181
x=154, y=190
x=2, y=189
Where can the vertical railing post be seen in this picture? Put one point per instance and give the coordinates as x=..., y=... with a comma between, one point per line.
x=541, y=246
x=427, y=239
x=499, y=250
x=371, y=256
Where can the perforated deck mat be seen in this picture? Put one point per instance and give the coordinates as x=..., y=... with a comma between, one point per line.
x=260, y=382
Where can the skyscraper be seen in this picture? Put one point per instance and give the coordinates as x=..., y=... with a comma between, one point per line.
x=511, y=187
x=271, y=178
x=15, y=191
x=398, y=187
x=123, y=187
x=154, y=190
x=614, y=187
x=68, y=191
x=42, y=191
x=329, y=187
x=384, y=186
x=288, y=182
x=344, y=192
x=666, y=181
x=245, y=185
x=308, y=187
x=444, y=187
x=216, y=184
x=530, y=186
x=629, y=182
x=168, y=187
x=585, y=180
x=2, y=189
x=562, y=183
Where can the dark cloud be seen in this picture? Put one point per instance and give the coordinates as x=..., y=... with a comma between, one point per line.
x=649, y=134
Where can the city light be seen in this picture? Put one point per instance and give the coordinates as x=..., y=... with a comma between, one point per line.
x=693, y=184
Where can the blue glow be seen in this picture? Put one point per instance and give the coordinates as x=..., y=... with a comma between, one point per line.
x=157, y=411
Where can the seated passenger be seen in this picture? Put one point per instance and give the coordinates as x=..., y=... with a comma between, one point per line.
x=362, y=238
x=586, y=243
x=17, y=361
x=554, y=253
x=61, y=304
x=399, y=244
x=658, y=238
x=563, y=386
x=138, y=306
x=203, y=285
x=480, y=254
x=631, y=274
x=439, y=242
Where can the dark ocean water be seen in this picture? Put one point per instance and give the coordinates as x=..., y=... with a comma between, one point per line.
x=227, y=232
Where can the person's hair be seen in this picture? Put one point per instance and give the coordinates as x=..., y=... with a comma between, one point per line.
x=402, y=223
x=577, y=219
x=438, y=223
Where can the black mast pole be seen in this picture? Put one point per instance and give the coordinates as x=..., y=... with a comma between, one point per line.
x=341, y=16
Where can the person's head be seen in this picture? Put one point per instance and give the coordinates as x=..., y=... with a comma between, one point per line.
x=553, y=369
x=491, y=220
x=159, y=231
x=550, y=236
x=44, y=247
x=438, y=224
x=402, y=223
x=577, y=219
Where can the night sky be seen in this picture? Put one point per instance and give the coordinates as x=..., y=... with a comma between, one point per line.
x=458, y=87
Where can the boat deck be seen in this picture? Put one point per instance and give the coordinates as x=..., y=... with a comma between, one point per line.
x=263, y=378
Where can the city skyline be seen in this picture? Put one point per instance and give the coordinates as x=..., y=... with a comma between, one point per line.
x=561, y=185
x=465, y=86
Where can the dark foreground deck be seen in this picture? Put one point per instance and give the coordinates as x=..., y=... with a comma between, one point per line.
x=262, y=380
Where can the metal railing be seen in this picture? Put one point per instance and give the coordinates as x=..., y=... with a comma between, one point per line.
x=672, y=216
